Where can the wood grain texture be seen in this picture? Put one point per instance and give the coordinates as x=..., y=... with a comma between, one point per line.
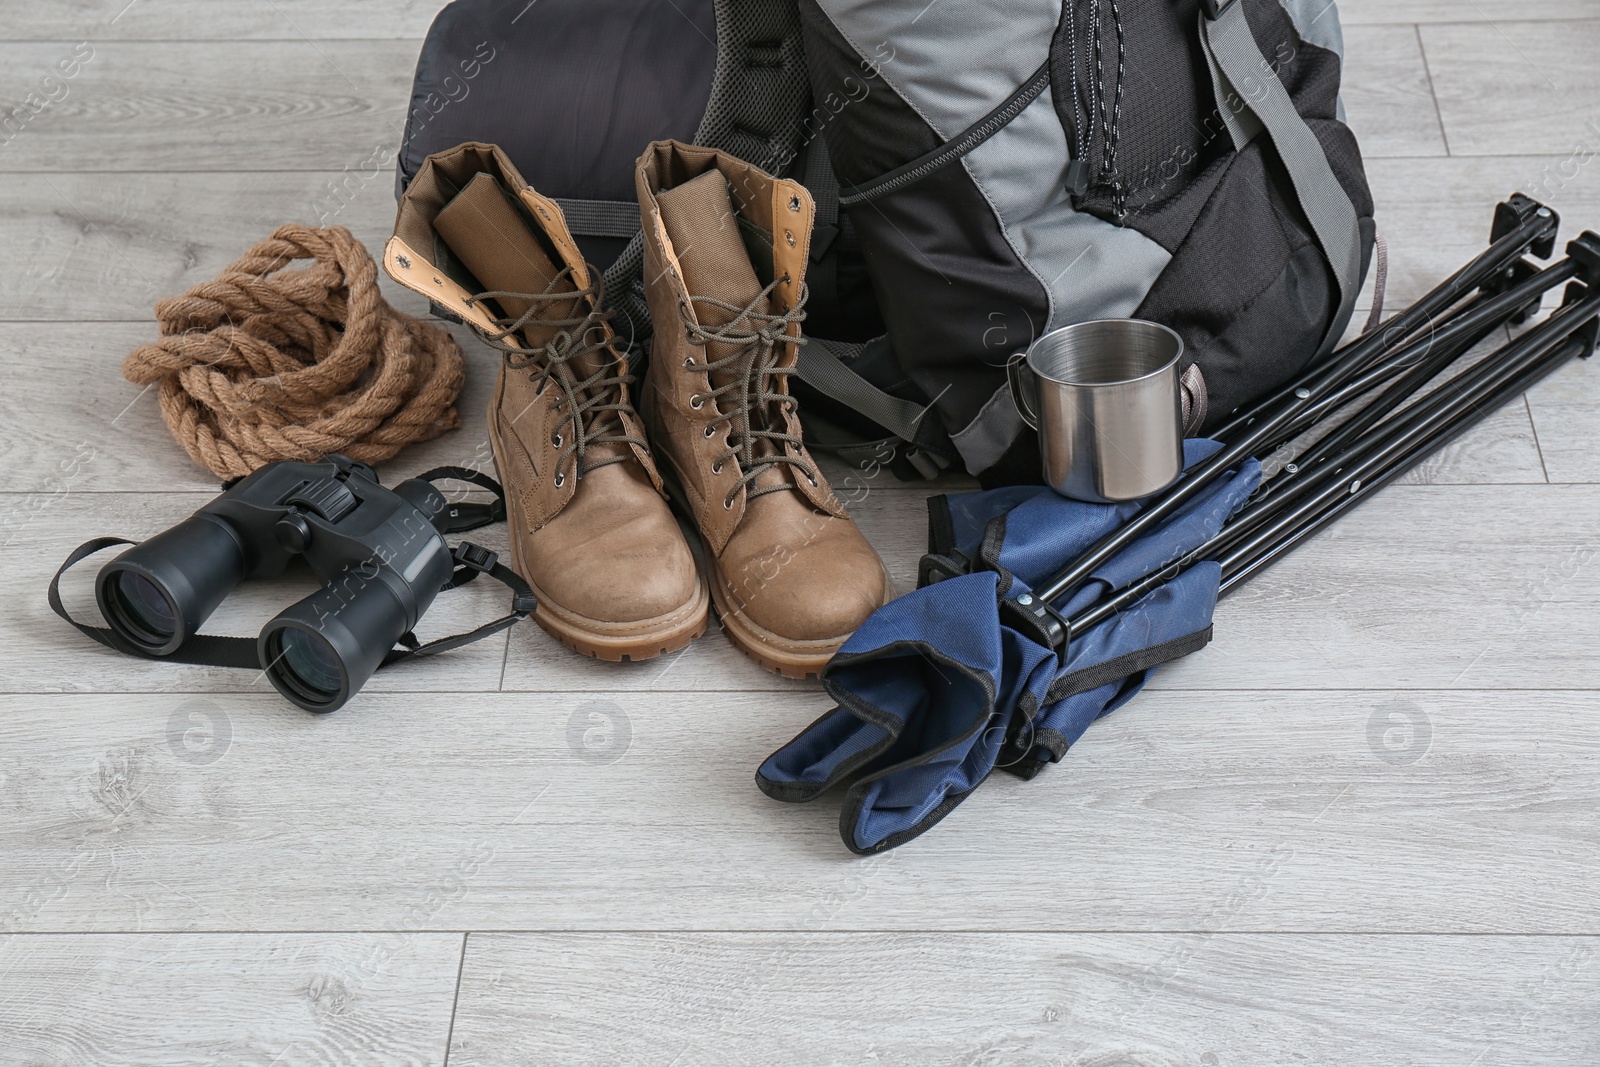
x=167, y=1000
x=1566, y=416
x=1388, y=101
x=1436, y=213
x=74, y=423
x=1368, y=12
x=1453, y=586
x=1337, y=835
x=215, y=105
x=1041, y=1001
x=636, y=811
x=1509, y=88
x=108, y=246
x=202, y=20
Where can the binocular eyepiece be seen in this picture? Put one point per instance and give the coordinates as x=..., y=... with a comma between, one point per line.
x=380, y=553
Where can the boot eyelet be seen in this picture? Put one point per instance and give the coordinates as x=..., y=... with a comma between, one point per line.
x=716, y=468
x=794, y=203
x=689, y=362
x=711, y=431
x=788, y=235
x=555, y=439
x=697, y=401
x=727, y=503
x=560, y=479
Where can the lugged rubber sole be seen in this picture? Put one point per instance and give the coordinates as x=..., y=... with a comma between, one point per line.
x=622, y=642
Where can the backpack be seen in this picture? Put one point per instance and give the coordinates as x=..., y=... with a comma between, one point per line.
x=983, y=173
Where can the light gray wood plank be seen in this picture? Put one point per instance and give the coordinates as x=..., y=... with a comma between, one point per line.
x=1508, y=88
x=1423, y=586
x=1566, y=415
x=1501, y=449
x=1054, y=1000
x=204, y=20
x=215, y=105
x=1367, y=12
x=1436, y=213
x=1386, y=94
x=635, y=811
x=44, y=654
x=69, y=420
x=108, y=246
x=171, y=999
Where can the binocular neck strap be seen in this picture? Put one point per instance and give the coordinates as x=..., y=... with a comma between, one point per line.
x=205, y=650
x=467, y=516
x=212, y=650
x=473, y=560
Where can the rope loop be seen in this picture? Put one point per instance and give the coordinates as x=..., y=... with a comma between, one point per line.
x=263, y=364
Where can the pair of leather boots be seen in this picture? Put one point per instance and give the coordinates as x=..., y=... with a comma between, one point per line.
x=587, y=476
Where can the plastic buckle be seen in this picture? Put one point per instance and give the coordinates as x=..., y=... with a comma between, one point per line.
x=1214, y=9
x=464, y=517
x=928, y=464
x=476, y=557
x=524, y=603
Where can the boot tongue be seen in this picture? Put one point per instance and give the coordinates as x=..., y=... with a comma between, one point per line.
x=489, y=236
x=486, y=232
x=700, y=220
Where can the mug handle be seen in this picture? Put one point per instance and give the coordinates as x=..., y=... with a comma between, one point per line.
x=1024, y=388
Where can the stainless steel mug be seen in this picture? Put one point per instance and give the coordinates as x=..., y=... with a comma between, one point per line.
x=1106, y=399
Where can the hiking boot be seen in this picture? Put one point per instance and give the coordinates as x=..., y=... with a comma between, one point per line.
x=590, y=526
x=726, y=247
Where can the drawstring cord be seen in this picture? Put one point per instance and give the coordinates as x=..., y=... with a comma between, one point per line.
x=1110, y=123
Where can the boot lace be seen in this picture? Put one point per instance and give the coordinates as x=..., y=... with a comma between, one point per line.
x=751, y=403
x=594, y=404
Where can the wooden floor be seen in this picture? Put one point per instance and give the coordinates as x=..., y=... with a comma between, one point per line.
x=1362, y=828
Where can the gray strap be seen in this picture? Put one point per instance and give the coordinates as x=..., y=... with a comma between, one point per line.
x=821, y=368
x=1233, y=49
x=601, y=218
x=1243, y=126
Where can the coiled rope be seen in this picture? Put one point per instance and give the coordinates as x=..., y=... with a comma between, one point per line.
x=264, y=364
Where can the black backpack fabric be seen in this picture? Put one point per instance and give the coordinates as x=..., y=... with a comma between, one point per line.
x=984, y=171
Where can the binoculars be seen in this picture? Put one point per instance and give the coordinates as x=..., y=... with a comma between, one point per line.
x=380, y=553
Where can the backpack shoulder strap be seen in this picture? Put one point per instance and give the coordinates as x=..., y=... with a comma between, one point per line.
x=1236, y=59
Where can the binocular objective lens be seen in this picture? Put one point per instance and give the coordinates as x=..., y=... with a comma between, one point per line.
x=309, y=664
x=145, y=605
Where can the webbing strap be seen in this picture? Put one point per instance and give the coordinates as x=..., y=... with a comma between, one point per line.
x=207, y=650
x=821, y=368
x=600, y=218
x=1238, y=60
